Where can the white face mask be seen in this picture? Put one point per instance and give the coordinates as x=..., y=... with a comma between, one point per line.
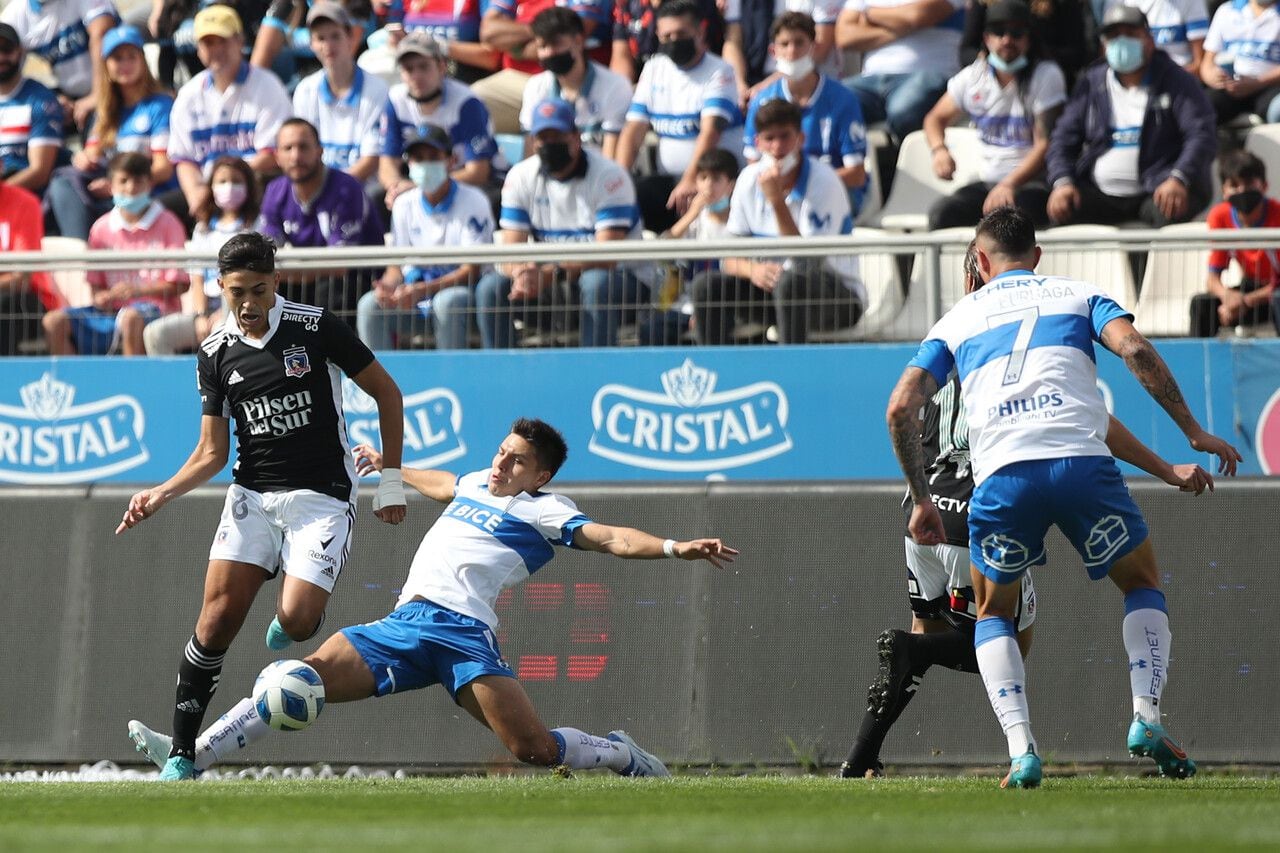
x=795, y=69
x=785, y=166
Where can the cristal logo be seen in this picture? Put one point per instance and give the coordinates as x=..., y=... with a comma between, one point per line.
x=50, y=441
x=1267, y=439
x=432, y=424
x=690, y=427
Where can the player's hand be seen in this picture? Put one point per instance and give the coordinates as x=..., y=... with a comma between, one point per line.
x=713, y=551
x=142, y=506
x=925, y=525
x=1064, y=201
x=1227, y=455
x=368, y=460
x=1190, y=478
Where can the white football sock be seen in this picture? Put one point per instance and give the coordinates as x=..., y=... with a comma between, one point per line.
x=582, y=751
x=1147, y=640
x=232, y=732
x=1000, y=663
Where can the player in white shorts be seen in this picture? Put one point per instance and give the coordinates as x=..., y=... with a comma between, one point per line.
x=275, y=367
x=1023, y=346
x=497, y=529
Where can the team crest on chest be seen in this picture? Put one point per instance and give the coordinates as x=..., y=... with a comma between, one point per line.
x=296, y=362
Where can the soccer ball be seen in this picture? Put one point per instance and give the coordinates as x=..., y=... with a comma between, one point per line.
x=288, y=695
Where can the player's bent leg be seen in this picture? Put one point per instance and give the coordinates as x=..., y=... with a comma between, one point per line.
x=299, y=613
x=1003, y=674
x=346, y=675
x=501, y=704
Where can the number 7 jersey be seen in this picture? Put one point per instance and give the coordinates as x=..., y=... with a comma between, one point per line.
x=1022, y=346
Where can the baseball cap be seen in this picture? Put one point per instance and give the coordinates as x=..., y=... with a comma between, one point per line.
x=9, y=34
x=1122, y=15
x=329, y=10
x=553, y=114
x=433, y=136
x=217, y=21
x=119, y=36
x=1008, y=12
x=422, y=43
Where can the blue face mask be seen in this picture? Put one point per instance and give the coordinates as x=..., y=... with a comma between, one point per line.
x=1007, y=67
x=1124, y=54
x=134, y=204
x=719, y=206
x=428, y=175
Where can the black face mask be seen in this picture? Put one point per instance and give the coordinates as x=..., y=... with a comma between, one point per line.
x=559, y=63
x=555, y=157
x=680, y=51
x=1245, y=201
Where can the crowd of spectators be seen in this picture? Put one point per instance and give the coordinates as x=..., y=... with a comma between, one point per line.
x=421, y=123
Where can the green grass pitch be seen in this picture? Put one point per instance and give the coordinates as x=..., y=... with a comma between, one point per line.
x=599, y=812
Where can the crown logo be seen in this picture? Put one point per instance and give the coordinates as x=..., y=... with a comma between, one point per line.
x=46, y=398
x=688, y=385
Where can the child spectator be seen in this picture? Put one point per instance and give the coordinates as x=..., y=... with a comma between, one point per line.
x=1241, y=282
x=231, y=208
x=124, y=301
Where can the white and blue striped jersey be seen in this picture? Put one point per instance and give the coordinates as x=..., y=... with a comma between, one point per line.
x=1023, y=348
x=458, y=111
x=349, y=127
x=464, y=217
x=57, y=32
x=674, y=100
x=601, y=107
x=30, y=115
x=834, y=130
x=1174, y=24
x=482, y=544
x=935, y=48
x=1255, y=42
x=207, y=124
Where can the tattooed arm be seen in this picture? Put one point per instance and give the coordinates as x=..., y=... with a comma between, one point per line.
x=914, y=389
x=1149, y=368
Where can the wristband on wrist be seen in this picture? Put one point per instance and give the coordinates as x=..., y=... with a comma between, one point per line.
x=669, y=547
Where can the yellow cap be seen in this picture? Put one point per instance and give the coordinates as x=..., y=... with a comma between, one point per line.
x=217, y=21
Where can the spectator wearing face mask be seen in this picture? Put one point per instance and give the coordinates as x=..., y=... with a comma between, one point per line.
x=1241, y=64
x=830, y=114
x=1137, y=138
x=441, y=212
x=1014, y=98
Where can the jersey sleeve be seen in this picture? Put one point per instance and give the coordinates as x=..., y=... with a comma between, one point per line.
x=94, y=9
x=479, y=227
x=935, y=357
x=213, y=401
x=161, y=111
x=1213, y=38
x=391, y=140
x=46, y=122
x=273, y=110
x=342, y=347
x=827, y=204
x=1195, y=14
x=614, y=108
x=720, y=97
x=738, y=224
x=560, y=520
x=474, y=132
x=1219, y=217
x=616, y=203
x=1048, y=88
x=749, y=130
x=181, y=143
x=958, y=86
x=515, y=203
x=853, y=142
x=1102, y=310
x=642, y=99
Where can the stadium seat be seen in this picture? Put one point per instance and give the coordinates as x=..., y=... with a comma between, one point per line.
x=1173, y=276
x=912, y=320
x=874, y=199
x=880, y=277
x=1264, y=142
x=72, y=284
x=512, y=146
x=916, y=187
x=1108, y=268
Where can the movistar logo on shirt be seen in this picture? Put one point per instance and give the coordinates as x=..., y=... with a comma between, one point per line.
x=277, y=416
x=48, y=440
x=690, y=426
x=432, y=424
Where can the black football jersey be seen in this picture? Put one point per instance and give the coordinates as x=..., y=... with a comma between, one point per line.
x=285, y=394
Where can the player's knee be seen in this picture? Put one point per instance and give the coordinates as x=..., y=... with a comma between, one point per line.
x=56, y=321
x=130, y=321
x=534, y=748
x=299, y=623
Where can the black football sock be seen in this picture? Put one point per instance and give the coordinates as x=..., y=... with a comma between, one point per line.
x=198, y=676
x=952, y=649
x=865, y=754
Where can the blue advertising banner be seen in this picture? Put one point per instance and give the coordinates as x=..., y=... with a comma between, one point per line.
x=749, y=413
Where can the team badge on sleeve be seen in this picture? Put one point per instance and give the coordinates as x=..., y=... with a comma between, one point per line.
x=296, y=362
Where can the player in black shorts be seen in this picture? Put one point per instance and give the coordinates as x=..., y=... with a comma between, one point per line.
x=274, y=367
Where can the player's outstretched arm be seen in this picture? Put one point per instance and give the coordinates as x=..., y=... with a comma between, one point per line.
x=1149, y=368
x=388, y=504
x=437, y=485
x=914, y=389
x=1127, y=447
x=208, y=458
x=632, y=544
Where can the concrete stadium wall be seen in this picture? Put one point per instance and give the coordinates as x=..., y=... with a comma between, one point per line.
x=749, y=666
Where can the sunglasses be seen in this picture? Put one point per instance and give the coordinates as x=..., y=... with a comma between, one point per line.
x=1000, y=30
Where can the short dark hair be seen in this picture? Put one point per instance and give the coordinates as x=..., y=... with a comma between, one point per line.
x=300, y=122
x=717, y=161
x=795, y=21
x=777, y=113
x=548, y=444
x=249, y=251
x=131, y=163
x=680, y=9
x=1010, y=230
x=556, y=21
x=1241, y=165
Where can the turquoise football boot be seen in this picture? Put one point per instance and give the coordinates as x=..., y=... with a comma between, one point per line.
x=177, y=769
x=1151, y=739
x=277, y=639
x=1024, y=772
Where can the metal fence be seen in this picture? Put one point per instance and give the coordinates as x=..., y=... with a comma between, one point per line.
x=675, y=292
x=763, y=664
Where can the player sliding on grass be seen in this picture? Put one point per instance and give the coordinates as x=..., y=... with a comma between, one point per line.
x=273, y=366
x=1022, y=345
x=938, y=583
x=497, y=529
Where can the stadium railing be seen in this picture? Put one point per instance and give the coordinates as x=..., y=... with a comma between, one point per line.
x=910, y=279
